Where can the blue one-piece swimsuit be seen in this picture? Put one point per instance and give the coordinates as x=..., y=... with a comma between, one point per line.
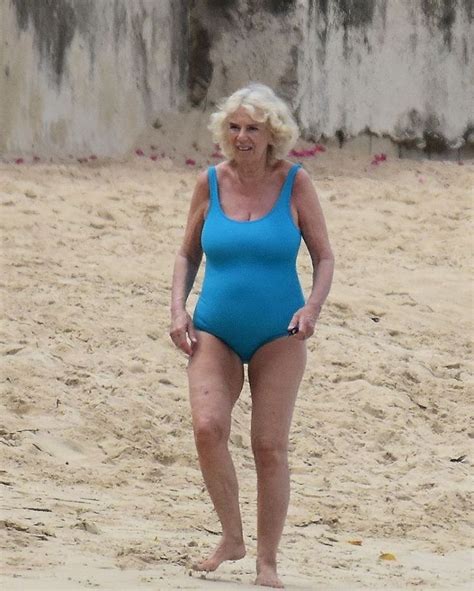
x=250, y=289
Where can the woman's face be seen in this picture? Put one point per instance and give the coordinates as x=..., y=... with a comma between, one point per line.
x=248, y=138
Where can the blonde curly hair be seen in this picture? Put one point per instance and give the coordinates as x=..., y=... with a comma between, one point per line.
x=264, y=106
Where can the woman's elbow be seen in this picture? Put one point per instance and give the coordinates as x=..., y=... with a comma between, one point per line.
x=326, y=256
x=192, y=259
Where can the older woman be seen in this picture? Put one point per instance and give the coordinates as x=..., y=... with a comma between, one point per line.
x=248, y=215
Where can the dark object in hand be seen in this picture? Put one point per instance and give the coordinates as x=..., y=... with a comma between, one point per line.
x=292, y=331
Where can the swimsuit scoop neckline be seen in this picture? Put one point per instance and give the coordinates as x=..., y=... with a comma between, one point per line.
x=266, y=215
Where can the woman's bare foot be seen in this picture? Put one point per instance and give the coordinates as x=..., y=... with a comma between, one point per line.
x=226, y=550
x=267, y=576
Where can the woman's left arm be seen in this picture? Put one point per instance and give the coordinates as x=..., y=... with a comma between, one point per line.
x=313, y=229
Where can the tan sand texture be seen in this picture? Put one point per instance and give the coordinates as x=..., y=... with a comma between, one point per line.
x=100, y=487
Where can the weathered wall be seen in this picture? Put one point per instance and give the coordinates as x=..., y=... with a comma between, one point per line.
x=399, y=68
x=404, y=68
x=82, y=75
x=86, y=75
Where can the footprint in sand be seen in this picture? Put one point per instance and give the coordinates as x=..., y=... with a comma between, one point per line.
x=65, y=450
x=165, y=458
x=378, y=413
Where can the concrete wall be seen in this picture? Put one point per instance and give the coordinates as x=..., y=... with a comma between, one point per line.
x=401, y=68
x=85, y=75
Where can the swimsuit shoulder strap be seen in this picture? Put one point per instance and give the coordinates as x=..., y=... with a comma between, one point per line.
x=213, y=186
x=287, y=189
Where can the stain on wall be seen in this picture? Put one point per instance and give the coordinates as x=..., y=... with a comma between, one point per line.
x=200, y=65
x=279, y=7
x=140, y=56
x=180, y=46
x=288, y=82
x=120, y=21
x=355, y=13
x=441, y=14
x=54, y=24
x=221, y=4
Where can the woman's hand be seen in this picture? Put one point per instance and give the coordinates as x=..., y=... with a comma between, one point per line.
x=182, y=332
x=304, y=320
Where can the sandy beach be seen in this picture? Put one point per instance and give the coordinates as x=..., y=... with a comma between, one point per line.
x=100, y=487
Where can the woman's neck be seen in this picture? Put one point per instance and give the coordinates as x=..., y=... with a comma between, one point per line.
x=252, y=171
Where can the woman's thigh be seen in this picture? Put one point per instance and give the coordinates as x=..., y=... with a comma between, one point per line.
x=216, y=376
x=275, y=373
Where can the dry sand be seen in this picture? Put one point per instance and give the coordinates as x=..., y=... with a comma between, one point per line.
x=99, y=482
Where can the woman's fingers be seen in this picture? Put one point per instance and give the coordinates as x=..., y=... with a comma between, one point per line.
x=302, y=325
x=179, y=338
x=191, y=340
x=192, y=334
x=293, y=327
x=306, y=328
x=184, y=336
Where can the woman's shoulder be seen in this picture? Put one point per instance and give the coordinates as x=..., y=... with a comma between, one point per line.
x=224, y=167
x=284, y=164
x=302, y=176
x=303, y=187
x=203, y=176
x=201, y=187
x=283, y=167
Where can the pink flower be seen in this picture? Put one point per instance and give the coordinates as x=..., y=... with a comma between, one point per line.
x=139, y=152
x=154, y=157
x=19, y=161
x=296, y=153
x=379, y=158
x=307, y=153
x=93, y=157
x=190, y=162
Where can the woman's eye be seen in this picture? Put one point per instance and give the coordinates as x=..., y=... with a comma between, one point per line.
x=252, y=128
x=234, y=128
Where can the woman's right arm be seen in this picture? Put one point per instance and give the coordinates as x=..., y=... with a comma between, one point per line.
x=186, y=266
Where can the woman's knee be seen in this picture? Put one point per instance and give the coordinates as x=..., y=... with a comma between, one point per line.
x=209, y=431
x=270, y=454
